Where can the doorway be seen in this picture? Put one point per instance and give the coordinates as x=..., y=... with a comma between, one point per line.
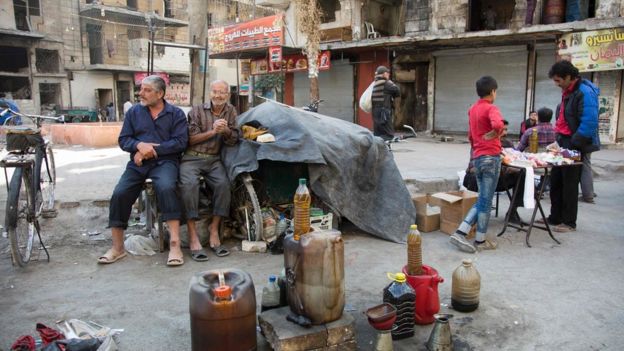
x=102, y=98
x=50, y=97
x=123, y=95
x=412, y=109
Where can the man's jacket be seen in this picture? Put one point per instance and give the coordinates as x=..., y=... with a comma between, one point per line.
x=581, y=115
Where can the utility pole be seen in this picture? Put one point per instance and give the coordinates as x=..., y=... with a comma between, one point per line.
x=198, y=31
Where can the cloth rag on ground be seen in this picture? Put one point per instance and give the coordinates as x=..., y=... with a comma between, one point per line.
x=349, y=168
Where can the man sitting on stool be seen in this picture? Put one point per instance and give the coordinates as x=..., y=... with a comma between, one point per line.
x=210, y=126
x=154, y=133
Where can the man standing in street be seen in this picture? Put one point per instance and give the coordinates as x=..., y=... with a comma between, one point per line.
x=485, y=126
x=210, y=126
x=384, y=92
x=110, y=109
x=126, y=106
x=577, y=128
x=154, y=133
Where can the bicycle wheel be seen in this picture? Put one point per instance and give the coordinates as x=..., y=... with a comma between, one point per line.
x=20, y=216
x=47, y=184
x=246, y=209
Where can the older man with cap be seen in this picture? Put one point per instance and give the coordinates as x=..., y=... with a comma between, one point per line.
x=155, y=133
x=384, y=92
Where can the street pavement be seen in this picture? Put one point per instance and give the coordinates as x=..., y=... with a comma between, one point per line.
x=548, y=297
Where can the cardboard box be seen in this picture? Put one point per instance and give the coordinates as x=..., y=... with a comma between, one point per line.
x=429, y=220
x=420, y=202
x=427, y=217
x=453, y=208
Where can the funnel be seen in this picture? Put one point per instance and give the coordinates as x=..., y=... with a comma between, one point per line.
x=441, y=338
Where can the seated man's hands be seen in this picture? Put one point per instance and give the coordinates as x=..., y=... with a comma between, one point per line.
x=145, y=151
x=220, y=126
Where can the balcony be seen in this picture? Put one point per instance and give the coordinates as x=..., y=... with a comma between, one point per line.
x=166, y=59
x=127, y=16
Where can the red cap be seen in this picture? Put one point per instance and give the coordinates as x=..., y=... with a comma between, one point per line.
x=223, y=291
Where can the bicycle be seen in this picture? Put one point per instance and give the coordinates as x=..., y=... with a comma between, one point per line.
x=31, y=189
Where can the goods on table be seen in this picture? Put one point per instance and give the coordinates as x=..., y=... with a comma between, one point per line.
x=555, y=156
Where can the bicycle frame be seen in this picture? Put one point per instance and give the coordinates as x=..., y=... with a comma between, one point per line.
x=28, y=158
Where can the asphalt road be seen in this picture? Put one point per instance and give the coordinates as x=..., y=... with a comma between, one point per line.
x=549, y=297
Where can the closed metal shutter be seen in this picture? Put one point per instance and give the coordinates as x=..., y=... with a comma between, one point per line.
x=547, y=94
x=336, y=89
x=455, y=77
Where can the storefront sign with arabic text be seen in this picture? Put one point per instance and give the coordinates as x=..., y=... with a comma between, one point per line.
x=600, y=50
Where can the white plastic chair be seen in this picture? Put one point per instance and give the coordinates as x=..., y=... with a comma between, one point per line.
x=370, y=31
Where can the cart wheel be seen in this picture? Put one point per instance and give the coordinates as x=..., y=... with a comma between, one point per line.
x=245, y=209
x=76, y=119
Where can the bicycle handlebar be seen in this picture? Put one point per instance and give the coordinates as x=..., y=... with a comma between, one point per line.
x=34, y=118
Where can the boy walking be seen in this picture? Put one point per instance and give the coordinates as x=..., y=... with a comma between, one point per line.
x=485, y=125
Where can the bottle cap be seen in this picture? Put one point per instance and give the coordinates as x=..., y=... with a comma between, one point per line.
x=272, y=278
x=466, y=262
x=413, y=226
x=302, y=181
x=223, y=291
x=397, y=277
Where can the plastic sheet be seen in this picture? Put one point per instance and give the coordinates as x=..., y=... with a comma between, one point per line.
x=139, y=245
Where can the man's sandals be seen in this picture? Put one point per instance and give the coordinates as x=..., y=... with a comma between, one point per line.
x=111, y=256
x=173, y=261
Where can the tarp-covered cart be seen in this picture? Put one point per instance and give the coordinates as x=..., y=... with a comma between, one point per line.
x=348, y=169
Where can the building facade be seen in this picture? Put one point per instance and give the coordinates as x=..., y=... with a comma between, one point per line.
x=438, y=49
x=86, y=54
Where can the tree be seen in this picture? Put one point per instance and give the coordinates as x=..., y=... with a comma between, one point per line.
x=308, y=16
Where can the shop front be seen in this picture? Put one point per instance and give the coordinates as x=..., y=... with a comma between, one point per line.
x=599, y=55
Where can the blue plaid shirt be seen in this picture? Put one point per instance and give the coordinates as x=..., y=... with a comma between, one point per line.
x=545, y=136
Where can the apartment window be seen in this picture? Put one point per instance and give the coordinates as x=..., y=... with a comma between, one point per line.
x=17, y=88
x=490, y=14
x=23, y=9
x=13, y=59
x=131, y=4
x=94, y=38
x=168, y=11
x=329, y=8
x=47, y=61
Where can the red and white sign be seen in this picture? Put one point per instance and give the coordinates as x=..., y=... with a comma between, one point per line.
x=289, y=63
x=260, y=33
x=138, y=77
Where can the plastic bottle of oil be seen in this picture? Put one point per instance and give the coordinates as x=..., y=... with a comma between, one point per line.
x=465, y=287
x=414, y=251
x=270, y=295
x=302, y=209
x=401, y=295
x=533, y=141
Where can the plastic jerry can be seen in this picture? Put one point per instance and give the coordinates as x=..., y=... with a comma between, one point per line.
x=315, y=275
x=222, y=306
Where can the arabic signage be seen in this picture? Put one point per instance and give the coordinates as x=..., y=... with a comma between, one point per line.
x=259, y=33
x=138, y=77
x=289, y=63
x=600, y=50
